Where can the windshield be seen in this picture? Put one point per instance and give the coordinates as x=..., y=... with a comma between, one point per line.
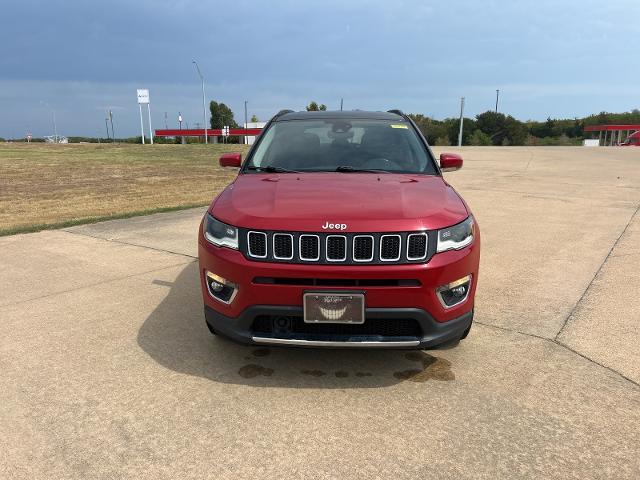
x=341, y=145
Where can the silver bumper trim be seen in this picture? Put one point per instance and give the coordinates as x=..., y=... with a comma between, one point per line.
x=320, y=343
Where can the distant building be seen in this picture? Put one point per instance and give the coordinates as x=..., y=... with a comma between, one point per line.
x=250, y=139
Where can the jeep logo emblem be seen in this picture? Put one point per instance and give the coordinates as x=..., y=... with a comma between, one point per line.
x=334, y=226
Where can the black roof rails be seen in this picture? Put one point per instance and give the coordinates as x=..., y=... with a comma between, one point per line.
x=397, y=111
x=282, y=112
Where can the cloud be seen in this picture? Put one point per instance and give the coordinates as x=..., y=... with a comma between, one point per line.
x=419, y=55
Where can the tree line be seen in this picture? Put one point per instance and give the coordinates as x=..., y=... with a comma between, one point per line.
x=491, y=128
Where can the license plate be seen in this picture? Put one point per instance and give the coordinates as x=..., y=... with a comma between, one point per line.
x=323, y=307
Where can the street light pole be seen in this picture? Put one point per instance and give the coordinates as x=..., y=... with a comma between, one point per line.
x=55, y=127
x=204, y=111
x=113, y=133
x=245, y=121
x=497, y=98
x=461, y=121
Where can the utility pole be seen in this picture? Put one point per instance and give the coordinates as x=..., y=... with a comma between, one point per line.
x=341, y=100
x=204, y=111
x=150, y=131
x=141, y=124
x=113, y=133
x=55, y=126
x=497, y=98
x=106, y=124
x=244, y=139
x=166, y=126
x=461, y=121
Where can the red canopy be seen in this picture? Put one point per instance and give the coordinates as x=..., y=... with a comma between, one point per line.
x=212, y=132
x=608, y=128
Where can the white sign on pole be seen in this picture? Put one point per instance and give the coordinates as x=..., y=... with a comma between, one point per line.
x=143, y=96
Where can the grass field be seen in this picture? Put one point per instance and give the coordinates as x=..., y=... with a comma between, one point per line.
x=47, y=186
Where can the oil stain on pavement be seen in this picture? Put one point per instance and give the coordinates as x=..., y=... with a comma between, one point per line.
x=432, y=368
x=252, y=371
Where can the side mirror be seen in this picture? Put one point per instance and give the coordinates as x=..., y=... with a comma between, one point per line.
x=450, y=162
x=231, y=160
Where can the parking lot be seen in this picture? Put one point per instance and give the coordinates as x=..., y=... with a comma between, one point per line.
x=108, y=370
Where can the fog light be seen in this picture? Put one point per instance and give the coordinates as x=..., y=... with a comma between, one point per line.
x=454, y=293
x=220, y=288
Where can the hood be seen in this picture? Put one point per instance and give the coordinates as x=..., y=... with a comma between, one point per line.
x=364, y=202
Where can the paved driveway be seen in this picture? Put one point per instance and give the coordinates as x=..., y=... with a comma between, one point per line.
x=108, y=370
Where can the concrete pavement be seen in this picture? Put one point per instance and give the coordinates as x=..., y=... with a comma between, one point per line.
x=110, y=372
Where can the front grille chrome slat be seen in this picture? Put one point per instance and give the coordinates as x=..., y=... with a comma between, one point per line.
x=390, y=246
x=333, y=248
x=257, y=244
x=283, y=246
x=363, y=248
x=309, y=248
x=417, y=244
x=336, y=248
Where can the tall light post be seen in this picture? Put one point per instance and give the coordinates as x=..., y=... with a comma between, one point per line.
x=497, y=98
x=246, y=125
x=461, y=121
x=204, y=110
x=55, y=126
x=113, y=133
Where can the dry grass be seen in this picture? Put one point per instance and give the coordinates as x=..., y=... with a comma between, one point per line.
x=45, y=186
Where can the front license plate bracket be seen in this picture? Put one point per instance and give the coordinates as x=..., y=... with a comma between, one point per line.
x=334, y=307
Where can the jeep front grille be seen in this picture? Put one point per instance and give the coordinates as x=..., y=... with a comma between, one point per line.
x=257, y=244
x=336, y=248
x=283, y=246
x=340, y=249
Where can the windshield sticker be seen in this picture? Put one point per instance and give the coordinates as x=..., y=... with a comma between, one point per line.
x=398, y=126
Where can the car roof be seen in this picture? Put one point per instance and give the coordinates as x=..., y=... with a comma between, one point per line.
x=353, y=115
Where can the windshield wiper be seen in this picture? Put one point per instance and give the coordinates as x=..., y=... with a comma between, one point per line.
x=349, y=169
x=272, y=169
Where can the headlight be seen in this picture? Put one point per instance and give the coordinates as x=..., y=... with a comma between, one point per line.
x=456, y=237
x=220, y=234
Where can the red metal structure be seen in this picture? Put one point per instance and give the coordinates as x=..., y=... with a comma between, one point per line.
x=616, y=136
x=199, y=132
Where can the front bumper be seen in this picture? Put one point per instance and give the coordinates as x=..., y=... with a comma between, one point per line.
x=432, y=334
x=417, y=301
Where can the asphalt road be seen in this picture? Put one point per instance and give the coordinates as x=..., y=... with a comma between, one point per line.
x=108, y=370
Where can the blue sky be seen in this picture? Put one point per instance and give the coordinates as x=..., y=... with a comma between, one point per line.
x=559, y=58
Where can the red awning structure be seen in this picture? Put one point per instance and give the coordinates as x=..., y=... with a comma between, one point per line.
x=613, y=134
x=610, y=128
x=212, y=132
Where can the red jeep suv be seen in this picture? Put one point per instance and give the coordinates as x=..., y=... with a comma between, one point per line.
x=340, y=231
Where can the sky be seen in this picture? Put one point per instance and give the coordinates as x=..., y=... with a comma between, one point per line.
x=75, y=59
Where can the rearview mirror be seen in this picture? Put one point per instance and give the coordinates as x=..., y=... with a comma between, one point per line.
x=450, y=162
x=231, y=160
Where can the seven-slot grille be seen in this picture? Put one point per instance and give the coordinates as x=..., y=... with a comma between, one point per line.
x=334, y=248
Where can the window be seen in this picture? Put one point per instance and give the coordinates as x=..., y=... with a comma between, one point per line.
x=324, y=145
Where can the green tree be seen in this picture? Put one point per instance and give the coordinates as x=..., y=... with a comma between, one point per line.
x=221, y=115
x=314, y=107
x=478, y=137
x=443, y=141
x=254, y=118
